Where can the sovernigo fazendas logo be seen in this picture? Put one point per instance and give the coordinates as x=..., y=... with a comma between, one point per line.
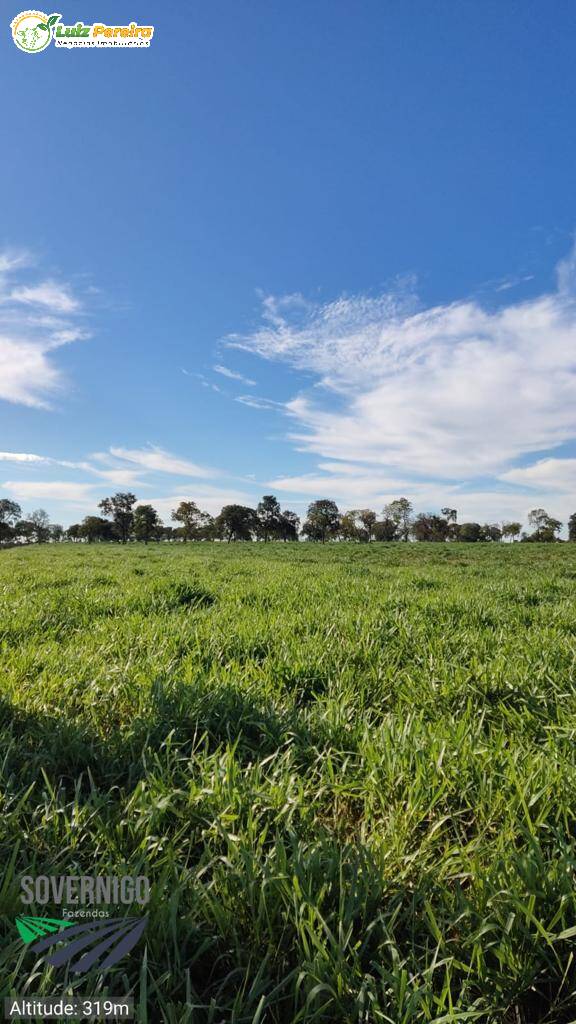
x=33, y=31
x=97, y=943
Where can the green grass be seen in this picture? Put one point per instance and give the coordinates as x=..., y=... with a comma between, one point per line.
x=349, y=772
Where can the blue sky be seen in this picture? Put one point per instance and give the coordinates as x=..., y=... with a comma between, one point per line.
x=317, y=249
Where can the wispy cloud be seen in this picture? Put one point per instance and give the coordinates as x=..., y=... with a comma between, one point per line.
x=120, y=465
x=50, y=295
x=330, y=339
x=44, y=460
x=513, y=282
x=122, y=476
x=233, y=375
x=23, y=457
x=255, y=402
x=204, y=381
x=158, y=460
x=11, y=259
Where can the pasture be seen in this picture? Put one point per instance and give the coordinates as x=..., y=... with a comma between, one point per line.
x=349, y=772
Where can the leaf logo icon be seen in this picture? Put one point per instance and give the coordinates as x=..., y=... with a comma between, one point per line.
x=32, y=30
x=84, y=946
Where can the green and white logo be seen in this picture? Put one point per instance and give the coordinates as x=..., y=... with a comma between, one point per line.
x=83, y=946
x=32, y=30
x=80, y=946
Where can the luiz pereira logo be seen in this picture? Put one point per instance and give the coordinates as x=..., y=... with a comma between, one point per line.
x=97, y=943
x=33, y=31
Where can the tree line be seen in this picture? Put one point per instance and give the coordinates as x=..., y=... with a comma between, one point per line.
x=123, y=520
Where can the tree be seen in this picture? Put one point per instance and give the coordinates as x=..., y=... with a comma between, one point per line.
x=169, y=533
x=511, y=530
x=430, y=527
x=74, y=532
x=236, y=522
x=400, y=512
x=358, y=524
x=368, y=519
x=194, y=522
x=572, y=527
x=208, y=529
x=147, y=523
x=469, y=532
x=120, y=507
x=537, y=518
x=40, y=521
x=323, y=520
x=10, y=513
x=24, y=530
x=289, y=525
x=545, y=527
x=268, y=513
x=95, y=528
x=349, y=527
x=490, y=532
x=56, y=533
x=385, y=530
x=451, y=517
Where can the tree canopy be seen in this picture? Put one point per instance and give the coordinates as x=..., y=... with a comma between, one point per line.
x=126, y=519
x=120, y=508
x=322, y=520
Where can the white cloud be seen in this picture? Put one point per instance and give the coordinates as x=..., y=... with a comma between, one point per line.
x=119, y=477
x=330, y=339
x=12, y=260
x=254, y=402
x=546, y=474
x=347, y=468
x=512, y=282
x=347, y=487
x=233, y=375
x=454, y=392
x=158, y=460
x=35, y=319
x=27, y=374
x=45, y=460
x=122, y=477
x=49, y=294
x=55, y=490
x=69, y=335
x=22, y=457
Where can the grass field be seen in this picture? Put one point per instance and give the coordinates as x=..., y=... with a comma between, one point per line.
x=349, y=772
